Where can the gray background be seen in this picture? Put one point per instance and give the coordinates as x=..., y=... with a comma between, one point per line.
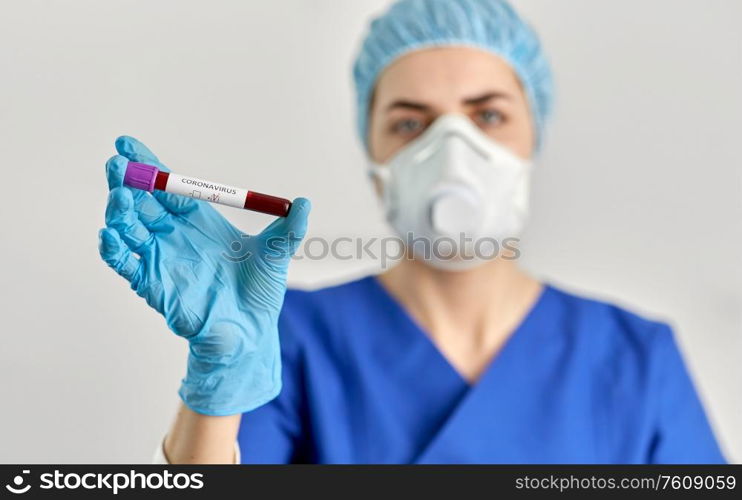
x=637, y=199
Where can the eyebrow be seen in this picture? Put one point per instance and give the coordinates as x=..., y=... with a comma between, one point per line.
x=471, y=101
x=405, y=104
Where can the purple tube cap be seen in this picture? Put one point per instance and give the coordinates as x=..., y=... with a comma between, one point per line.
x=140, y=176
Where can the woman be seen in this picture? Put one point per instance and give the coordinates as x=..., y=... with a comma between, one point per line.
x=450, y=356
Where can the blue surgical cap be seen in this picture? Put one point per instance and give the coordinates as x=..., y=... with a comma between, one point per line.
x=492, y=25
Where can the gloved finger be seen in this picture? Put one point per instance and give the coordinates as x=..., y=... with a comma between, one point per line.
x=115, y=172
x=118, y=256
x=283, y=236
x=134, y=150
x=150, y=210
x=130, y=149
x=121, y=215
x=300, y=206
x=175, y=203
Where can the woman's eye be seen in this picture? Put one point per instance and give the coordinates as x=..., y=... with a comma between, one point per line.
x=408, y=126
x=490, y=117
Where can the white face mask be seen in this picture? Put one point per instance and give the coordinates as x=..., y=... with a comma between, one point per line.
x=456, y=189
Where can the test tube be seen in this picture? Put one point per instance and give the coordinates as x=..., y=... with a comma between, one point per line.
x=150, y=178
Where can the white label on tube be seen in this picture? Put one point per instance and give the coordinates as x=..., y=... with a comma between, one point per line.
x=206, y=190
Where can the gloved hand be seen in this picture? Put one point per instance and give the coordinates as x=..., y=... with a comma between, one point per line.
x=217, y=287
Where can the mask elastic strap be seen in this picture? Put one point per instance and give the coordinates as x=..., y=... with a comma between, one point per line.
x=376, y=170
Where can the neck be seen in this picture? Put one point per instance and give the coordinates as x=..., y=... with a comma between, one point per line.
x=483, y=305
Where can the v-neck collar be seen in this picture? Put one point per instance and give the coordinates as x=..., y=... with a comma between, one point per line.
x=510, y=343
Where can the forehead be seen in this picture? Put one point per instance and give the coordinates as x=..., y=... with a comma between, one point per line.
x=440, y=73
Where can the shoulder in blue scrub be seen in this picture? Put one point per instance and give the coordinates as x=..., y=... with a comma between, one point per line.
x=579, y=381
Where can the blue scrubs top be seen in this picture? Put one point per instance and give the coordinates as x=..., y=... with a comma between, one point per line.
x=579, y=381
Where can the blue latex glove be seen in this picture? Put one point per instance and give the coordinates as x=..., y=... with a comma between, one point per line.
x=189, y=269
